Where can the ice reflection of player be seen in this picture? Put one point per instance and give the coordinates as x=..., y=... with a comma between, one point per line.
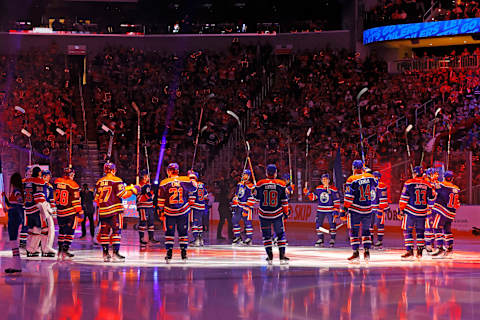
x=244, y=295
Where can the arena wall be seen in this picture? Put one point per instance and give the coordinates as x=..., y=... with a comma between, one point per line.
x=13, y=42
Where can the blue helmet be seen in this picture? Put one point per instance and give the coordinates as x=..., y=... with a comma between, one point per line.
x=418, y=171
x=286, y=176
x=173, y=168
x=46, y=173
x=247, y=172
x=448, y=175
x=195, y=173
x=357, y=164
x=271, y=170
x=326, y=176
x=109, y=167
x=430, y=171
x=377, y=174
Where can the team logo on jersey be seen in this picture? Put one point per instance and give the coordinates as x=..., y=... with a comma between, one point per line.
x=324, y=197
x=241, y=192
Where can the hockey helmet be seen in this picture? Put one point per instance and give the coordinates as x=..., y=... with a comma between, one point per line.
x=448, y=175
x=173, y=169
x=418, y=171
x=430, y=172
x=46, y=172
x=109, y=167
x=325, y=176
x=286, y=177
x=377, y=174
x=357, y=165
x=67, y=171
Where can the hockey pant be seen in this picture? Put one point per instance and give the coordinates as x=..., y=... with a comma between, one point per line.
x=66, y=231
x=429, y=231
x=354, y=220
x=408, y=223
x=15, y=219
x=181, y=224
x=378, y=219
x=331, y=223
x=35, y=225
x=279, y=229
x=238, y=215
x=146, y=222
x=110, y=231
x=443, y=230
x=197, y=225
x=48, y=230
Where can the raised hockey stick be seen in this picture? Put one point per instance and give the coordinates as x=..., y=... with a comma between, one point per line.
x=309, y=131
x=407, y=130
x=290, y=162
x=448, y=145
x=247, y=145
x=27, y=134
x=359, y=95
x=146, y=158
x=198, y=135
x=437, y=112
x=110, y=142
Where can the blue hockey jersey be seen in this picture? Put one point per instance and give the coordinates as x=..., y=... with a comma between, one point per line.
x=272, y=197
x=360, y=191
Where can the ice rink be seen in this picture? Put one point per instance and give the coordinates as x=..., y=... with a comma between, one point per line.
x=224, y=282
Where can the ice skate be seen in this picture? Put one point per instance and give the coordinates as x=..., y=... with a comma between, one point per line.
x=420, y=252
x=449, y=252
x=117, y=257
x=168, y=257
x=439, y=253
x=408, y=256
x=366, y=255
x=355, y=257
x=184, y=255
x=247, y=242
x=319, y=243
x=237, y=241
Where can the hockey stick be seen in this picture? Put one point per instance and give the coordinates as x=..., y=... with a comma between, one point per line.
x=437, y=112
x=323, y=230
x=137, y=110
x=407, y=130
x=359, y=95
x=110, y=142
x=198, y=135
x=146, y=158
x=247, y=145
x=448, y=145
x=290, y=162
x=63, y=134
x=309, y=131
x=28, y=135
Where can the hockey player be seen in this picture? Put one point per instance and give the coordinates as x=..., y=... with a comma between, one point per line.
x=272, y=196
x=360, y=191
x=48, y=231
x=380, y=205
x=69, y=211
x=34, y=199
x=198, y=211
x=15, y=218
x=243, y=202
x=174, y=201
x=328, y=207
x=432, y=177
x=145, y=209
x=110, y=191
x=24, y=229
x=444, y=209
x=415, y=203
